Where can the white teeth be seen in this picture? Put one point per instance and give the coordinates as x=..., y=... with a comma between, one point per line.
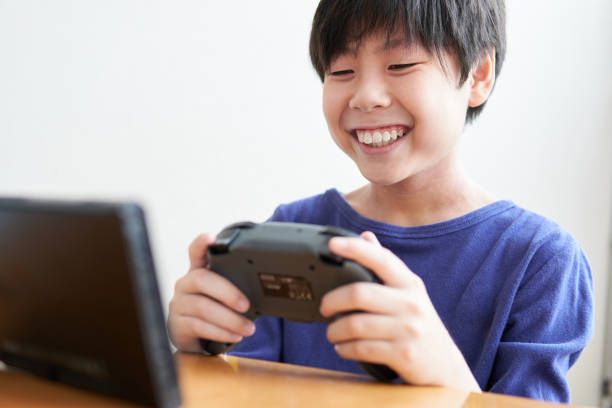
x=379, y=138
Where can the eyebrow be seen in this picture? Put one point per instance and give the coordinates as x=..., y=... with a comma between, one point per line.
x=389, y=45
x=393, y=44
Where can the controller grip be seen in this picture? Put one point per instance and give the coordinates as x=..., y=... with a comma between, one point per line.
x=215, y=347
x=379, y=371
x=218, y=347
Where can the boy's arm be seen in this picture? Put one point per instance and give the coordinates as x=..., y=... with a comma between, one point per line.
x=398, y=325
x=550, y=322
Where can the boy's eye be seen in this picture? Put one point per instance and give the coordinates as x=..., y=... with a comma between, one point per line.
x=342, y=72
x=399, y=67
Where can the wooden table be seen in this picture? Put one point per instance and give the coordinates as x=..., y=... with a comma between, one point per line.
x=239, y=382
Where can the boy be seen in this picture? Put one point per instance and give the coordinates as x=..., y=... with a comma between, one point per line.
x=477, y=293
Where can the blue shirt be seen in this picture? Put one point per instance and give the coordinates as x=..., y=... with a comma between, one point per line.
x=513, y=288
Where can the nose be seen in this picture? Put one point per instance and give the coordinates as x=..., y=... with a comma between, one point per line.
x=370, y=93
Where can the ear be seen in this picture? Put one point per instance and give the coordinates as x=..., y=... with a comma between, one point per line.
x=482, y=79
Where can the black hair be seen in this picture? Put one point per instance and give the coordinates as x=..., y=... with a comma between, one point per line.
x=469, y=28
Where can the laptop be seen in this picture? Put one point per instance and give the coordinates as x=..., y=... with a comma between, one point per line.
x=79, y=299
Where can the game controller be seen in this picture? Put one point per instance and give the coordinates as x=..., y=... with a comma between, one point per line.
x=285, y=269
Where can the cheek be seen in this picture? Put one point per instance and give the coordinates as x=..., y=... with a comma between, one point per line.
x=444, y=108
x=327, y=106
x=332, y=106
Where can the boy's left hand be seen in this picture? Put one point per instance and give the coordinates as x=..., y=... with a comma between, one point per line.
x=399, y=326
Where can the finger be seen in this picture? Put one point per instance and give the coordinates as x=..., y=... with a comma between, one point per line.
x=368, y=297
x=370, y=237
x=389, y=268
x=187, y=330
x=211, y=311
x=197, y=250
x=369, y=351
x=363, y=326
x=206, y=282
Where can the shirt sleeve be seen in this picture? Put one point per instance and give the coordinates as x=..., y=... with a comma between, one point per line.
x=550, y=322
x=266, y=342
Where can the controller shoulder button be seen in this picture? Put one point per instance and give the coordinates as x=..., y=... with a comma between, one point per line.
x=240, y=225
x=223, y=241
x=336, y=232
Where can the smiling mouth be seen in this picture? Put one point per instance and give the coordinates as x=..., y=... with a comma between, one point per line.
x=381, y=136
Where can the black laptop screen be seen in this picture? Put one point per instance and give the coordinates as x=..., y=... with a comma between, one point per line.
x=79, y=301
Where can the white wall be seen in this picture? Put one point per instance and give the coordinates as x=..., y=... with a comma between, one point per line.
x=208, y=112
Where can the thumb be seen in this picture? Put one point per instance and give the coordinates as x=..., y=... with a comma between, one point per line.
x=197, y=250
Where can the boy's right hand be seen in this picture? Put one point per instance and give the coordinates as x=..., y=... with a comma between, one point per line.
x=206, y=305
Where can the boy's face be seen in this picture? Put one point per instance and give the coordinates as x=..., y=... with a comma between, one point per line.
x=394, y=110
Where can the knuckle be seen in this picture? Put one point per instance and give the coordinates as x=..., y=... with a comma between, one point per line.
x=178, y=285
x=406, y=327
x=193, y=327
x=359, y=295
x=417, y=331
x=180, y=341
x=331, y=332
x=410, y=306
x=201, y=278
x=411, y=330
x=354, y=326
x=417, y=310
x=406, y=353
x=172, y=306
x=417, y=282
x=203, y=308
x=178, y=333
x=405, y=303
x=363, y=349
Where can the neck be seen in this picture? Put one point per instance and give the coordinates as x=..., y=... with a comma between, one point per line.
x=435, y=195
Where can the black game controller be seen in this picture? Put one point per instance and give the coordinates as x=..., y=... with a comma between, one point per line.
x=285, y=269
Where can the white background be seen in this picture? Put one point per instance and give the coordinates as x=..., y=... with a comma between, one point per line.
x=208, y=112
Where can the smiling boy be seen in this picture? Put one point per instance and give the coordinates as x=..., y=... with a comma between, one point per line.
x=477, y=292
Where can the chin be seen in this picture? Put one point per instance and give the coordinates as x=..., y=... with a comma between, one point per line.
x=382, y=179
